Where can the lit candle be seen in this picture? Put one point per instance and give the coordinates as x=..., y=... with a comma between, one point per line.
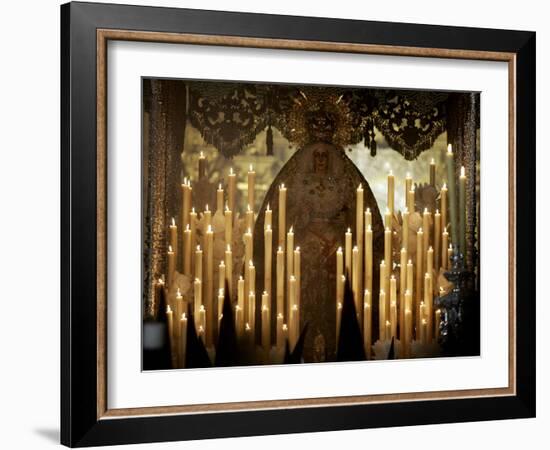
x=430, y=261
x=251, y=278
x=368, y=258
x=338, y=318
x=382, y=315
x=408, y=333
x=202, y=322
x=207, y=217
x=444, y=193
x=240, y=300
x=289, y=250
x=280, y=281
x=280, y=336
x=251, y=186
x=249, y=218
x=387, y=256
x=419, y=264
x=202, y=166
x=221, y=298
x=391, y=193
x=282, y=215
x=268, y=217
x=171, y=266
x=347, y=253
x=388, y=330
x=387, y=219
x=219, y=199
x=368, y=219
x=174, y=238
x=231, y=189
x=424, y=332
x=410, y=277
x=197, y=292
x=266, y=325
x=393, y=306
x=432, y=172
x=294, y=326
x=408, y=187
x=450, y=253
x=252, y=312
x=209, y=286
x=444, y=248
x=428, y=305
x=411, y=200
x=183, y=340
x=452, y=193
x=187, y=192
x=198, y=263
x=339, y=273
x=228, y=223
x=178, y=307
x=426, y=221
x=221, y=275
x=187, y=251
x=355, y=283
x=170, y=321
x=405, y=229
x=239, y=321
x=229, y=269
x=437, y=240
x=268, y=255
x=462, y=209
x=193, y=226
x=402, y=288
x=359, y=232
x=383, y=275
x=293, y=314
x=298, y=275
x=285, y=332
x=367, y=322
x=248, y=255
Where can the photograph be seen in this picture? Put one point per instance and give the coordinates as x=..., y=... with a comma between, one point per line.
x=297, y=224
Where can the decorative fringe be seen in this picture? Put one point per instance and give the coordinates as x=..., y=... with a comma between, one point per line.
x=269, y=141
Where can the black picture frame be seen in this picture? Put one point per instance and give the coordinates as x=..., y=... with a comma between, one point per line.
x=80, y=421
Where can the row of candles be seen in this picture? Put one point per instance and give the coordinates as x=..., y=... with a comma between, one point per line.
x=408, y=307
x=198, y=265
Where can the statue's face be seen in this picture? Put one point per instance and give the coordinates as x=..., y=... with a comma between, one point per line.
x=320, y=160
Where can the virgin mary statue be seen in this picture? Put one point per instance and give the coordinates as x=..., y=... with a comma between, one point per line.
x=321, y=184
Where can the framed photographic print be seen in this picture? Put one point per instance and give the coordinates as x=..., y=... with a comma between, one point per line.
x=277, y=224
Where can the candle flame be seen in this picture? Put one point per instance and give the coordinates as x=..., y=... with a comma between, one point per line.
x=292, y=278
x=463, y=171
x=161, y=281
x=294, y=307
x=201, y=309
x=444, y=186
x=436, y=211
x=388, y=229
x=241, y=278
x=228, y=248
x=282, y=186
x=392, y=277
x=209, y=229
x=250, y=168
x=268, y=227
x=219, y=187
x=178, y=293
x=222, y=264
x=349, y=230
x=297, y=250
x=250, y=264
x=280, y=249
x=247, y=327
x=206, y=208
x=339, y=250
x=267, y=208
x=291, y=229
x=173, y=222
x=432, y=161
x=420, y=230
x=424, y=322
x=265, y=308
x=168, y=309
x=201, y=155
x=449, y=149
x=285, y=327
x=227, y=207
x=187, y=228
x=388, y=323
x=369, y=228
x=184, y=317
x=198, y=248
x=360, y=188
x=391, y=173
x=410, y=262
x=169, y=248
x=231, y=171
x=279, y=316
x=193, y=210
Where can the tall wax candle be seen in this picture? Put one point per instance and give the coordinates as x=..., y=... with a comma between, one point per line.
x=444, y=248
x=202, y=166
x=209, y=287
x=289, y=261
x=241, y=300
x=219, y=199
x=443, y=200
x=338, y=319
x=339, y=273
x=419, y=264
x=252, y=289
x=430, y=261
x=279, y=332
x=268, y=217
x=197, y=290
x=268, y=255
x=382, y=316
x=388, y=258
x=282, y=216
x=239, y=321
x=402, y=288
x=252, y=312
x=266, y=325
x=428, y=305
x=437, y=324
x=347, y=253
x=432, y=172
x=437, y=240
x=249, y=218
x=280, y=281
x=221, y=275
x=462, y=209
x=387, y=219
x=174, y=238
x=355, y=282
x=207, y=217
x=405, y=229
x=228, y=223
x=251, y=187
x=229, y=269
x=171, y=266
x=298, y=275
x=411, y=201
x=359, y=231
x=202, y=324
x=231, y=189
x=187, y=192
x=183, y=341
x=368, y=219
x=198, y=263
x=426, y=225
x=408, y=187
x=393, y=306
x=193, y=227
x=367, y=322
x=170, y=322
x=410, y=277
x=391, y=193
x=452, y=194
x=368, y=258
x=187, y=247
x=293, y=313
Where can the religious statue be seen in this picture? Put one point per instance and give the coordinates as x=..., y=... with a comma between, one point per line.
x=321, y=206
